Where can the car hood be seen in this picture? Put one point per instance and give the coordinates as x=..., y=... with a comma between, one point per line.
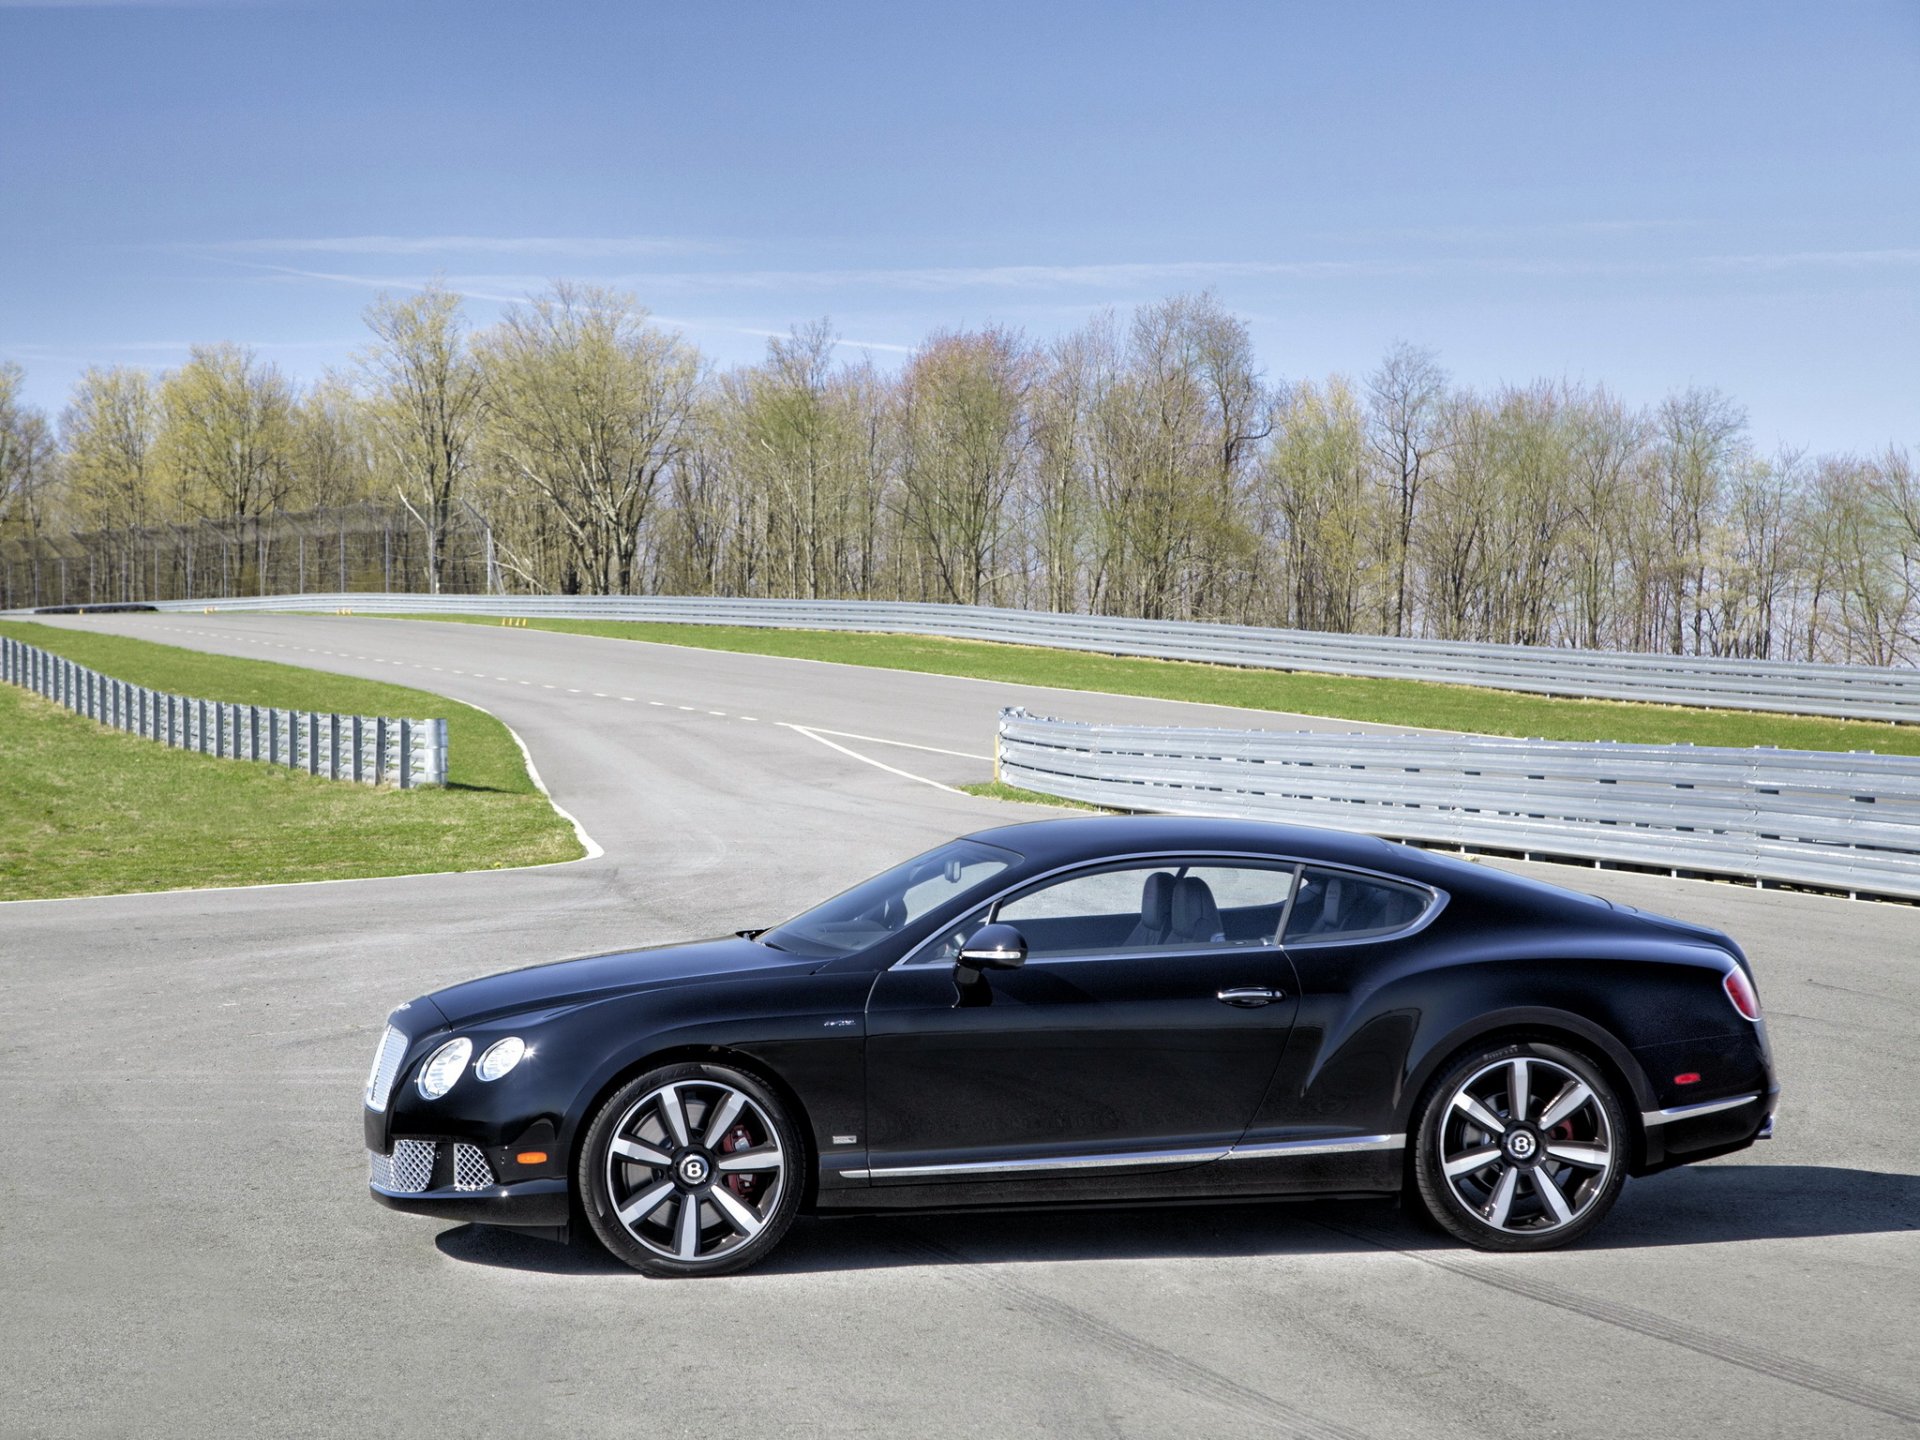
x=598, y=977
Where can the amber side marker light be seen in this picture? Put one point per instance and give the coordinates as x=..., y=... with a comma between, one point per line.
x=531, y=1157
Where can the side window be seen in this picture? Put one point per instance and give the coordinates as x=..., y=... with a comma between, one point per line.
x=1335, y=905
x=1163, y=906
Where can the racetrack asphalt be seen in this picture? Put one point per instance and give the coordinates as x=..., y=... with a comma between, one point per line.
x=188, y=1248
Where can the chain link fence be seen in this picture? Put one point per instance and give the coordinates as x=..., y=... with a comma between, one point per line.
x=366, y=749
x=1845, y=822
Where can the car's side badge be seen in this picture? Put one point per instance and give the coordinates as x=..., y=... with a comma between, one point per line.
x=836, y=1024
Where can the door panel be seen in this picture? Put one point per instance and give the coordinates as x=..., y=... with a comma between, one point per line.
x=1072, y=1057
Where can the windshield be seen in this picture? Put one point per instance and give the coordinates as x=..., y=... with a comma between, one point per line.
x=891, y=900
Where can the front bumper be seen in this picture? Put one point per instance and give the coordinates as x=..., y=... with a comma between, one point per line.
x=453, y=1180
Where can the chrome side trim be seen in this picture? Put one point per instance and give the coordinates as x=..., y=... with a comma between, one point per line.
x=1114, y=1161
x=1687, y=1112
x=1282, y=1149
x=1269, y=1150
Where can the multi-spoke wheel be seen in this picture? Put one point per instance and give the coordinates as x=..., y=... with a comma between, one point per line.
x=1522, y=1147
x=691, y=1170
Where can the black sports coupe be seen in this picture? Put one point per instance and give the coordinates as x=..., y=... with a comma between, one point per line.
x=1081, y=1011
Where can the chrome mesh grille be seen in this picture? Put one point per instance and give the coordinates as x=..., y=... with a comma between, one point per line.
x=386, y=1066
x=470, y=1168
x=407, y=1171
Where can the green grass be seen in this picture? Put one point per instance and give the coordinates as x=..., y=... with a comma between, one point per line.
x=85, y=810
x=1388, y=702
x=1000, y=790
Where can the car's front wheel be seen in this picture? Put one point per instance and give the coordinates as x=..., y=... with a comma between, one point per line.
x=691, y=1170
x=1520, y=1147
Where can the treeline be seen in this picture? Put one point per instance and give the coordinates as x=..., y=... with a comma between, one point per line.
x=1143, y=465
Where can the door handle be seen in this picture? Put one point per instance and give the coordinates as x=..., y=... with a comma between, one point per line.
x=1248, y=997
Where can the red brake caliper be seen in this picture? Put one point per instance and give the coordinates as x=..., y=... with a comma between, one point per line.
x=743, y=1183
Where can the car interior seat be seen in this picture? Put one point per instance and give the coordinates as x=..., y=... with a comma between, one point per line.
x=1196, y=915
x=1156, y=911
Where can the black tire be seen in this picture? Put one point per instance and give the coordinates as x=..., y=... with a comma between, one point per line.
x=733, y=1161
x=1538, y=1184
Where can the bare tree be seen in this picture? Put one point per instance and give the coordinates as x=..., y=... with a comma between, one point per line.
x=1702, y=435
x=591, y=408
x=964, y=442
x=1406, y=409
x=426, y=395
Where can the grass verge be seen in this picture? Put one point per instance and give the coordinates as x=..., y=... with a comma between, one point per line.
x=1415, y=703
x=1000, y=790
x=85, y=810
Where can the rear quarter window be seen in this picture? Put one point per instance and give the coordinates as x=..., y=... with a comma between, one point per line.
x=1339, y=905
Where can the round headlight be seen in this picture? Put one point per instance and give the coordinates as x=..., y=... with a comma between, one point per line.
x=443, y=1067
x=500, y=1057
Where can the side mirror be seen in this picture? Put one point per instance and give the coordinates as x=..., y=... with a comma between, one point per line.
x=995, y=947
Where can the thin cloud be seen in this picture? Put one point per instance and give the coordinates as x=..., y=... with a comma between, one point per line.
x=466, y=291
x=572, y=247
x=838, y=340
x=1816, y=260
x=1124, y=275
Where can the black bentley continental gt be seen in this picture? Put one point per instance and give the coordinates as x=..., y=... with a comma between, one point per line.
x=1082, y=1011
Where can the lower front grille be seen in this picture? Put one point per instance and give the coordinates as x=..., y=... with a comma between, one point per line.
x=409, y=1170
x=470, y=1168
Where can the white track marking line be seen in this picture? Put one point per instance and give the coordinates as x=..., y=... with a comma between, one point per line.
x=903, y=744
x=867, y=759
x=594, y=852
x=721, y=713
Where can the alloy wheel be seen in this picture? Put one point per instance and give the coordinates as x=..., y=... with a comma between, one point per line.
x=695, y=1170
x=1526, y=1145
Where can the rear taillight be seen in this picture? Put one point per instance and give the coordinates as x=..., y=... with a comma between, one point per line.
x=1740, y=991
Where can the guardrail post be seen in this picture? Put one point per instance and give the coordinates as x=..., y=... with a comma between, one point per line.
x=406, y=754
x=313, y=742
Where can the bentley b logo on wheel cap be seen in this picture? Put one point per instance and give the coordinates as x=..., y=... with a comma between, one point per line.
x=1520, y=1145
x=693, y=1169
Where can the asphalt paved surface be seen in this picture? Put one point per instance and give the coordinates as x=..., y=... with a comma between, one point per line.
x=188, y=1248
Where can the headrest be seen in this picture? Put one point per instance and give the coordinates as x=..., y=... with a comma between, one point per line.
x=1156, y=901
x=1195, y=915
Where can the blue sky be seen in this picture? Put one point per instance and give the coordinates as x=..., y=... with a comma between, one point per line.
x=1647, y=195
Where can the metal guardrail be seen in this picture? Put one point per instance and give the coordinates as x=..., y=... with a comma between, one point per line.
x=1858, y=692
x=1847, y=822
x=368, y=749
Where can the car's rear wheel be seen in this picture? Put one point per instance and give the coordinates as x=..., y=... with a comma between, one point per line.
x=691, y=1170
x=1520, y=1147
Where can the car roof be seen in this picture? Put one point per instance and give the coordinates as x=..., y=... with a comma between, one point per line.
x=1090, y=837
